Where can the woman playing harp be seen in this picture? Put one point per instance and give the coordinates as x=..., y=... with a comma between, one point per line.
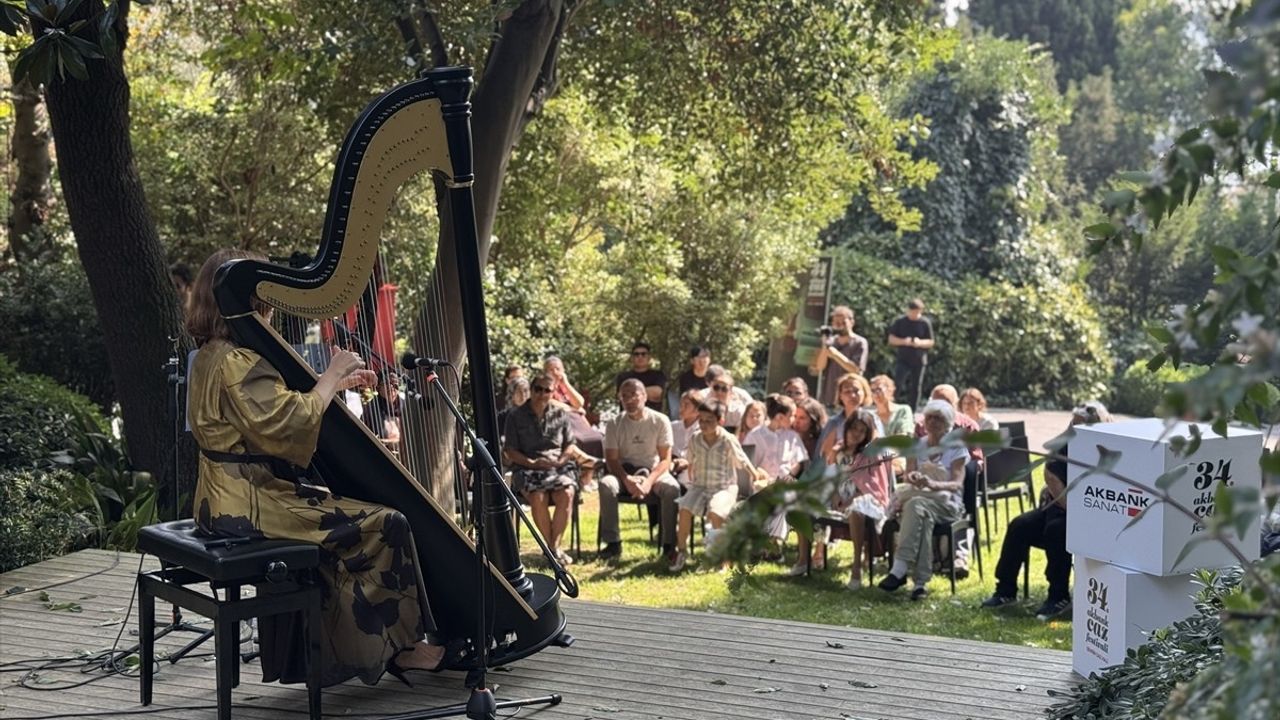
x=256, y=438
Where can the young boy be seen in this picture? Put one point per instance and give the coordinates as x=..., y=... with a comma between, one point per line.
x=714, y=457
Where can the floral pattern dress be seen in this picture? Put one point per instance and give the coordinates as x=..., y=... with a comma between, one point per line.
x=373, y=601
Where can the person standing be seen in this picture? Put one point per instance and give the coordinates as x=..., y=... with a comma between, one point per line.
x=695, y=378
x=912, y=337
x=841, y=346
x=654, y=380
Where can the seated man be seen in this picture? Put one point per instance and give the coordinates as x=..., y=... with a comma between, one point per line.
x=637, y=454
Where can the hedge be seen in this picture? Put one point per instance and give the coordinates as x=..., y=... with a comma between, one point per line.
x=1138, y=391
x=40, y=516
x=37, y=416
x=1022, y=346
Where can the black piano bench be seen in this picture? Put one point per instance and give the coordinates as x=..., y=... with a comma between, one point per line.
x=188, y=557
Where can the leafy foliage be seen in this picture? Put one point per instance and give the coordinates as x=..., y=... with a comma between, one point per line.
x=38, y=417
x=39, y=516
x=50, y=327
x=1080, y=33
x=993, y=114
x=1021, y=345
x=1139, y=688
x=1139, y=390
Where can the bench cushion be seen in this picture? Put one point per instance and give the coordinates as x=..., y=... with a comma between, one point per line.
x=181, y=543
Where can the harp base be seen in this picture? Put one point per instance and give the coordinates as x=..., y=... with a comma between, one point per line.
x=480, y=706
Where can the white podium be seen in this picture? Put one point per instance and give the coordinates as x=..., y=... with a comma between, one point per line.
x=1100, y=507
x=1127, y=583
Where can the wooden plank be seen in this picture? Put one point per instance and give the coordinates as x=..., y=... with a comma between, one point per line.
x=628, y=663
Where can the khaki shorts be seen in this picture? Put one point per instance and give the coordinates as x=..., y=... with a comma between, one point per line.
x=700, y=500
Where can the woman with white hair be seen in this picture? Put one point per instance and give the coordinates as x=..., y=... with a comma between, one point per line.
x=932, y=493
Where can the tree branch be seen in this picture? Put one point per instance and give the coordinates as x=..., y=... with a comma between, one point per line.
x=422, y=37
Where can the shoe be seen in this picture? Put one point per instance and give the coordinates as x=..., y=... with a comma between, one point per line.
x=797, y=570
x=591, y=487
x=996, y=601
x=455, y=651
x=919, y=593
x=853, y=584
x=1053, y=608
x=962, y=573
x=820, y=566
x=611, y=551
x=677, y=564
x=562, y=557
x=891, y=582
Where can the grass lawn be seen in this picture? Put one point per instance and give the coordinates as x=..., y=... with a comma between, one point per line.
x=642, y=579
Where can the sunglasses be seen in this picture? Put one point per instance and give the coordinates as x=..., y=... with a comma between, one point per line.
x=639, y=353
x=541, y=389
x=720, y=388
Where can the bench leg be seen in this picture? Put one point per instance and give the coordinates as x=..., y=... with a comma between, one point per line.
x=313, y=654
x=226, y=633
x=233, y=596
x=146, y=640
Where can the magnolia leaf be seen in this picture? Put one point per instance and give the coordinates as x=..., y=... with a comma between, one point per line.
x=1102, y=230
x=1191, y=545
x=1107, y=459
x=1158, y=361
x=1165, y=481
x=107, y=39
x=1224, y=256
x=801, y=523
x=1273, y=181
x=1058, y=442
x=66, y=12
x=986, y=439
x=1138, y=518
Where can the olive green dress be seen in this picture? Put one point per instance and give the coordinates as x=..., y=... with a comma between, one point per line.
x=373, y=603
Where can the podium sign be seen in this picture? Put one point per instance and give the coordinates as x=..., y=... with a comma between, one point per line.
x=1100, y=507
x=1115, y=609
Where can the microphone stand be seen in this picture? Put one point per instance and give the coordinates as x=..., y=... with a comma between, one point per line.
x=481, y=705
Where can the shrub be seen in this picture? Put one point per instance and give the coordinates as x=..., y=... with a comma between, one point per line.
x=40, y=516
x=1026, y=346
x=1138, y=391
x=38, y=417
x=49, y=324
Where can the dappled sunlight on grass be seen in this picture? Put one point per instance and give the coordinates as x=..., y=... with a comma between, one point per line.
x=641, y=578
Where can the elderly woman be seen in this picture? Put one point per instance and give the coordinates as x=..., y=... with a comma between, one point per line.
x=539, y=450
x=933, y=493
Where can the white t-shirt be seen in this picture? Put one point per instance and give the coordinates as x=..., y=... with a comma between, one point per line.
x=777, y=452
x=637, y=441
x=680, y=435
x=938, y=468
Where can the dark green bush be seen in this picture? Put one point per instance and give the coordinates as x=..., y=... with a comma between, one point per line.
x=40, y=516
x=49, y=324
x=1138, y=391
x=1032, y=346
x=38, y=417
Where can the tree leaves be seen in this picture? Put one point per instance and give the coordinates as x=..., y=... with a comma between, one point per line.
x=58, y=51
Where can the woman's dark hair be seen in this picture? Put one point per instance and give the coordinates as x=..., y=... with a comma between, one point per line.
x=817, y=416
x=777, y=404
x=867, y=419
x=204, y=319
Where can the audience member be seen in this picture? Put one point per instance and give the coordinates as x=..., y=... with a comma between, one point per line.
x=932, y=494
x=811, y=417
x=504, y=393
x=722, y=390
x=912, y=337
x=654, y=380
x=1045, y=528
x=714, y=460
x=861, y=492
x=682, y=430
x=637, y=453
x=796, y=388
x=753, y=417
x=853, y=392
x=780, y=454
x=539, y=448
x=947, y=393
x=517, y=394
x=695, y=378
x=840, y=344
x=180, y=274
x=974, y=406
x=894, y=418
x=588, y=441
x=383, y=413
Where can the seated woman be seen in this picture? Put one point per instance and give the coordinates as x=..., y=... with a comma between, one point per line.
x=810, y=418
x=933, y=493
x=894, y=418
x=1045, y=527
x=861, y=490
x=974, y=404
x=539, y=450
x=588, y=441
x=752, y=418
x=852, y=392
x=256, y=436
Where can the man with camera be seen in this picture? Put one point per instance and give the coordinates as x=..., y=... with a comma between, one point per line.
x=844, y=347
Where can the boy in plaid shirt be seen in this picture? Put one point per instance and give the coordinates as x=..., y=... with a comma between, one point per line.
x=714, y=457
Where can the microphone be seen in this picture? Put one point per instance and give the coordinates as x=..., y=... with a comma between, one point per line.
x=412, y=362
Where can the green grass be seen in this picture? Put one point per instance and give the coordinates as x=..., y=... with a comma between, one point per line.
x=642, y=579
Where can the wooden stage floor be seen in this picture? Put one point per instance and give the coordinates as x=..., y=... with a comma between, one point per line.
x=628, y=664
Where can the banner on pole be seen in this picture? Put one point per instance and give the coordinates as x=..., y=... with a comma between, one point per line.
x=791, y=353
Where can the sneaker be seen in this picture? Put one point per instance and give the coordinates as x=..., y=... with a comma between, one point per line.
x=677, y=564
x=891, y=582
x=797, y=570
x=591, y=487
x=962, y=573
x=853, y=584
x=611, y=551
x=562, y=557
x=1053, y=608
x=919, y=593
x=996, y=601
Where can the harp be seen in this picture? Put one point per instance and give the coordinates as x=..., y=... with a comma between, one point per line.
x=423, y=125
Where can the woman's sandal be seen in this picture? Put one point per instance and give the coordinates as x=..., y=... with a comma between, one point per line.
x=455, y=651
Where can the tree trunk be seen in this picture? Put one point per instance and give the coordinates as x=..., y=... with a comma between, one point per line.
x=32, y=196
x=499, y=112
x=120, y=249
